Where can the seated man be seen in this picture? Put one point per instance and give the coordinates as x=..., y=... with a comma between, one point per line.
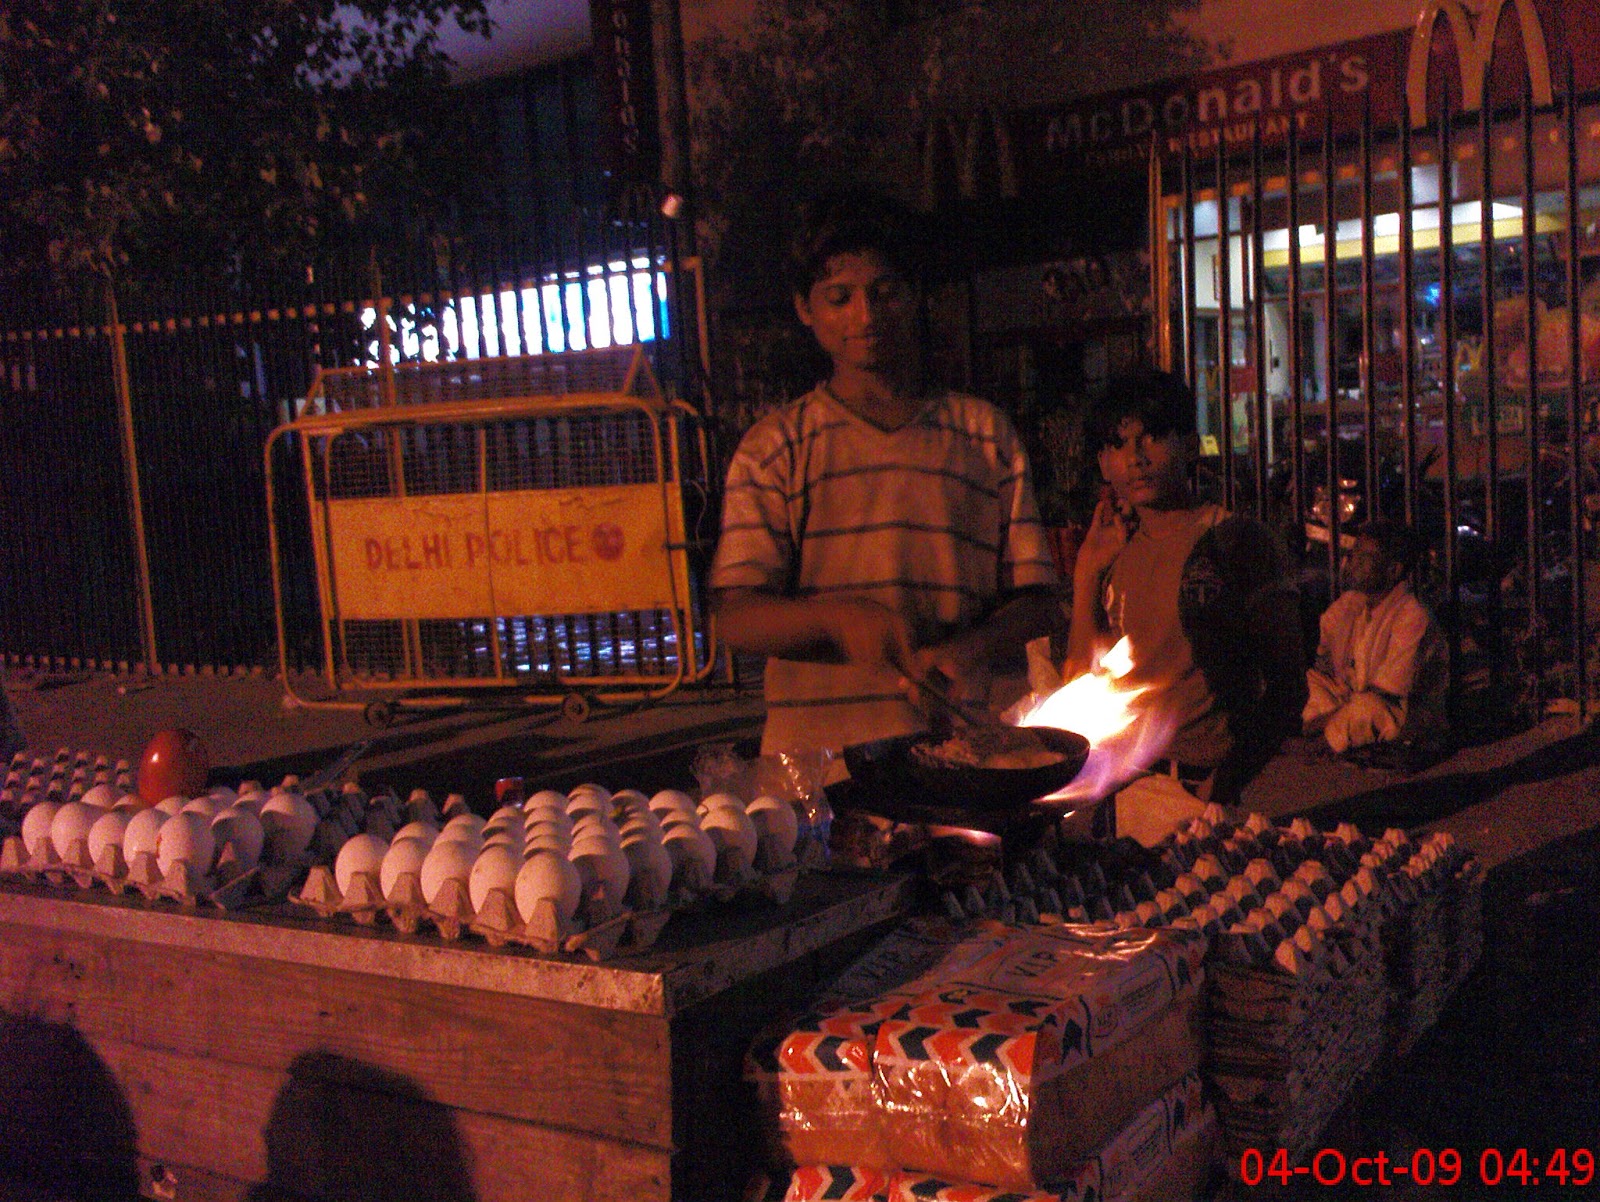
x=1382, y=671
x=1204, y=599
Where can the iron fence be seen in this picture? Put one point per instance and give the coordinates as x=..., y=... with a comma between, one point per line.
x=133, y=418
x=1404, y=321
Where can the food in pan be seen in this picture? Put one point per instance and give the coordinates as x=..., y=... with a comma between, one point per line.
x=989, y=747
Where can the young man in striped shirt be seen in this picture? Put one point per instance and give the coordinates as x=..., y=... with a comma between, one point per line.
x=878, y=528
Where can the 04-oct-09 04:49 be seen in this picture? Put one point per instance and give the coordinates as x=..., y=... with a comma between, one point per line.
x=1446, y=1167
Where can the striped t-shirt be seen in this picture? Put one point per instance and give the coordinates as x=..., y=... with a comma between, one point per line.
x=936, y=519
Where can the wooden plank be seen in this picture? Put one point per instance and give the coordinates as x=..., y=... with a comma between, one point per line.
x=217, y=1131
x=595, y=1070
x=287, y=935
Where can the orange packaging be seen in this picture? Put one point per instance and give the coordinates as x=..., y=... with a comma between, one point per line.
x=814, y=1075
x=1015, y=1069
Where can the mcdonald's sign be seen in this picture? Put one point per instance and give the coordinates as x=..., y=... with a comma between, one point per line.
x=975, y=149
x=1474, y=44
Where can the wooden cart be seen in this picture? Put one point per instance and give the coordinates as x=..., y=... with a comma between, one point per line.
x=265, y=1055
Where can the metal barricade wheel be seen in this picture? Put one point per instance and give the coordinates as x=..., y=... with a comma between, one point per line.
x=379, y=714
x=575, y=706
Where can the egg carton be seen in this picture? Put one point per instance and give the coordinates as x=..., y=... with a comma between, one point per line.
x=497, y=920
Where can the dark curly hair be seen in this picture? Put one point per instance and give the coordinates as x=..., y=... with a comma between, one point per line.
x=851, y=221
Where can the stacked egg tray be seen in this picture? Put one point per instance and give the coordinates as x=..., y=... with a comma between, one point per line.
x=1327, y=950
x=1319, y=941
x=75, y=821
x=583, y=873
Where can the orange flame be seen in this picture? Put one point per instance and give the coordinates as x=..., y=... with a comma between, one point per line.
x=1124, y=737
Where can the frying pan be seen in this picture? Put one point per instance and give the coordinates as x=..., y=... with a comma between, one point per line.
x=888, y=767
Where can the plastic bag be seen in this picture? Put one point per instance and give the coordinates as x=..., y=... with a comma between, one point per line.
x=795, y=776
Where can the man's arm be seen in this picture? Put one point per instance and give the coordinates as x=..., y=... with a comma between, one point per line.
x=969, y=659
x=835, y=632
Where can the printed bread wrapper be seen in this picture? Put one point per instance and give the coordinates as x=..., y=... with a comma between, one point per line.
x=1018, y=1068
x=1163, y=1153
x=813, y=1075
x=838, y=1183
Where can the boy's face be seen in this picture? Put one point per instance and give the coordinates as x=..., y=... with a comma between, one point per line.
x=1369, y=570
x=862, y=313
x=1145, y=470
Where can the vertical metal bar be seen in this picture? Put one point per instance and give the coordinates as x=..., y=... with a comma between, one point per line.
x=1334, y=474
x=130, y=461
x=1580, y=642
x=1191, y=349
x=1224, y=277
x=1447, y=320
x=1369, y=407
x=1530, y=320
x=1296, y=383
x=1491, y=499
x=1408, y=323
x=1262, y=448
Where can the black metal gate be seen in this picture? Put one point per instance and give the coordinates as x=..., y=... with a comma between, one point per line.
x=1404, y=320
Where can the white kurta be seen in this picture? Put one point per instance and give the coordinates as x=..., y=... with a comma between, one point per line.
x=1381, y=670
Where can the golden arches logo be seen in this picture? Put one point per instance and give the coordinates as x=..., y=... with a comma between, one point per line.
x=1474, y=52
x=979, y=143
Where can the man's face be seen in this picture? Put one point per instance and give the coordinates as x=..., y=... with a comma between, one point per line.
x=1369, y=570
x=862, y=313
x=1145, y=470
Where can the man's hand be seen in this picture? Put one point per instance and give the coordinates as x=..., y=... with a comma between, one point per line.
x=1102, y=543
x=868, y=634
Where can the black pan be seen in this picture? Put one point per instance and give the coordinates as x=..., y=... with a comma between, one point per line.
x=887, y=767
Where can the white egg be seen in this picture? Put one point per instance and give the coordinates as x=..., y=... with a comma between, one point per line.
x=606, y=864
x=107, y=831
x=505, y=816
x=721, y=801
x=731, y=828
x=290, y=822
x=687, y=845
x=128, y=801
x=172, y=805
x=403, y=856
x=589, y=803
x=102, y=797
x=185, y=838
x=650, y=868
x=495, y=868
x=251, y=799
x=641, y=823
x=626, y=801
x=446, y=860
x=424, y=831
x=672, y=799
x=590, y=789
x=71, y=823
x=588, y=823
x=239, y=825
x=222, y=795
x=464, y=823
x=545, y=799
x=547, y=839
x=143, y=831
x=36, y=826
x=505, y=836
x=775, y=822
x=546, y=874
x=361, y=853
x=551, y=817
x=206, y=806
x=680, y=818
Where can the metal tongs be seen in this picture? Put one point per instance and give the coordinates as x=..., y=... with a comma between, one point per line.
x=994, y=733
